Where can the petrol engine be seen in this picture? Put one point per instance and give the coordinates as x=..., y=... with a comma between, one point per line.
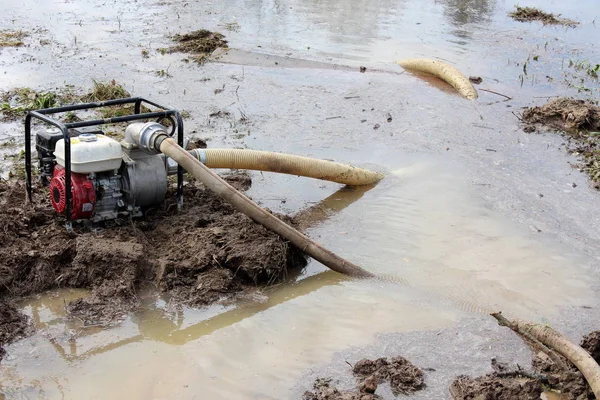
x=108, y=178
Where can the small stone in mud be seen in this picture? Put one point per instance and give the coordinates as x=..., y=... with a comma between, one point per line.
x=476, y=79
x=376, y=126
x=363, y=69
x=529, y=129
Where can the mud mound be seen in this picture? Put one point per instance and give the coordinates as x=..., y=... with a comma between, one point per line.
x=528, y=14
x=324, y=391
x=200, y=43
x=403, y=376
x=206, y=253
x=492, y=387
x=565, y=115
x=218, y=253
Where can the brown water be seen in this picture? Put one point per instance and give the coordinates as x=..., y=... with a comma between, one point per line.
x=459, y=221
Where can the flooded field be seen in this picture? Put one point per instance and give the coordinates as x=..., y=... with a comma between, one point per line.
x=474, y=214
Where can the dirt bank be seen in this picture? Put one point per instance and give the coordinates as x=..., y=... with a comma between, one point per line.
x=510, y=382
x=579, y=122
x=207, y=253
x=403, y=377
x=13, y=325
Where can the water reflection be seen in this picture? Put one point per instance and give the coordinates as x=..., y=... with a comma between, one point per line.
x=156, y=322
x=354, y=21
x=159, y=323
x=462, y=12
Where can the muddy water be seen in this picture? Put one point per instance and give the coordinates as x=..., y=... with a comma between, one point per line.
x=474, y=215
x=455, y=258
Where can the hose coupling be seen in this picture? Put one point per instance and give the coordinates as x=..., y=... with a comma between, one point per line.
x=147, y=136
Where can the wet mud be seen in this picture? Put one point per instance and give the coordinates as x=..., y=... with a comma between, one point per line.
x=510, y=383
x=493, y=387
x=205, y=254
x=569, y=382
x=579, y=122
x=403, y=377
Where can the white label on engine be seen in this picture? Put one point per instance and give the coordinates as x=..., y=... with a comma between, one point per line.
x=87, y=207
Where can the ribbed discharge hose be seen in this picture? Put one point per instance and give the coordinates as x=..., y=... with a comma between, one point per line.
x=443, y=71
x=243, y=204
x=286, y=164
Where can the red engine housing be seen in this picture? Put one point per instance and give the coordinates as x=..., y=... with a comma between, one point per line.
x=83, y=194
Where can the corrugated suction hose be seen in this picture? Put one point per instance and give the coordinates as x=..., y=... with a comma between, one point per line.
x=243, y=204
x=443, y=71
x=286, y=164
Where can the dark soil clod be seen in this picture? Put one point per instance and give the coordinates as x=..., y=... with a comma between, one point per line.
x=568, y=115
x=403, y=376
x=591, y=344
x=528, y=14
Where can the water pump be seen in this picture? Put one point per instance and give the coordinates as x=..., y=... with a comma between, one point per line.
x=91, y=176
x=108, y=178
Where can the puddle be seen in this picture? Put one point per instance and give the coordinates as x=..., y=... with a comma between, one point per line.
x=456, y=256
x=294, y=71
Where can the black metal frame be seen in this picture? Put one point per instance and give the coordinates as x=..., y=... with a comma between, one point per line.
x=64, y=127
